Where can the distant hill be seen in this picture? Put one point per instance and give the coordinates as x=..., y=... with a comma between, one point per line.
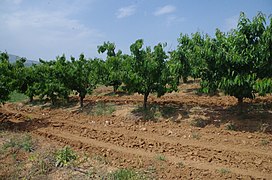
x=13, y=58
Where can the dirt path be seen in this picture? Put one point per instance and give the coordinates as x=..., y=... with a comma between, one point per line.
x=169, y=149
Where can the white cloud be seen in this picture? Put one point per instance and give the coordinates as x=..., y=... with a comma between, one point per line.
x=36, y=33
x=231, y=22
x=126, y=11
x=165, y=10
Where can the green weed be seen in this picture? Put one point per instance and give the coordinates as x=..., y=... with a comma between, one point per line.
x=224, y=171
x=196, y=135
x=161, y=157
x=230, y=126
x=25, y=143
x=65, y=156
x=126, y=174
x=264, y=142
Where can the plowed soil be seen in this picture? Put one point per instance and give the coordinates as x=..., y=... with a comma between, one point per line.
x=165, y=142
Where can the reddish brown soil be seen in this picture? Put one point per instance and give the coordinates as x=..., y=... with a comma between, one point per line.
x=168, y=146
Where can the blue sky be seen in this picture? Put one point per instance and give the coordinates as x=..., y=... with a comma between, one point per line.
x=46, y=28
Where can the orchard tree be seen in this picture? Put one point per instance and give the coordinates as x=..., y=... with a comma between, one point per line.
x=113, y=65
x=49, y=82
x=244, y=63
x=181, y=56
x=80, y=77
x=239, y=62
x=5, y=77
x=147, y=72
x=264, y=82
x=186, y=57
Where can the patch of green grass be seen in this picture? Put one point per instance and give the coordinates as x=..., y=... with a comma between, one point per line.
x=25, y=142
x=264, y=142
x=223, y=171
x=196, y=135
x=101, y=159
x=42, y=163
x=230, y=126
x=101, y=109
x=65, y=156
x=161, y=157
x=17, y=97
x=126, y=174
x=180, y=164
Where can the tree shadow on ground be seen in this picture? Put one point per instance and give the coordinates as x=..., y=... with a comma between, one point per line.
x=252, y=117
x=154, y=112
x=59, y=104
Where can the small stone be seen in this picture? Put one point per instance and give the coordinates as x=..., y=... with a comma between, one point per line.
x=169, y=132
x=249, y=137
x=143, y=129
x=259, y=161
x=225, y=140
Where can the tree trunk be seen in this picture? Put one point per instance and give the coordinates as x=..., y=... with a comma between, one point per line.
x=145, y=99
x=115, y=87
x=185, y=79
x=53, y=101
x=30, y=98
x=81, y=101
x=240, y=105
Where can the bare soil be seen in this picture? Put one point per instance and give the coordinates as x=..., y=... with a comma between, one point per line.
x=183, y=135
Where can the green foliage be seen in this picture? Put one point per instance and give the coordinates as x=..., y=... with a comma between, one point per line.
x=25, y=142
x=81, y=79
x=125, y=174
x=186, y=58
x=147, y=71
x=5, y=77
x=50, y=81
x=113, y=65
x=239, y=62
x=65, y=156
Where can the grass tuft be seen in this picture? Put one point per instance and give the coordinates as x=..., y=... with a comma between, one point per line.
x=17, y=97
x=65, y=156
x=126, y=174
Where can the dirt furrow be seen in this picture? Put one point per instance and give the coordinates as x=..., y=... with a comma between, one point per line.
x=186, y=150
x=81, y=142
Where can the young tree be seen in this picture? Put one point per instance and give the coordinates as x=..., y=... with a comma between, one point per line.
x=147, y=71
x=113, y=65
x=80, y=77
